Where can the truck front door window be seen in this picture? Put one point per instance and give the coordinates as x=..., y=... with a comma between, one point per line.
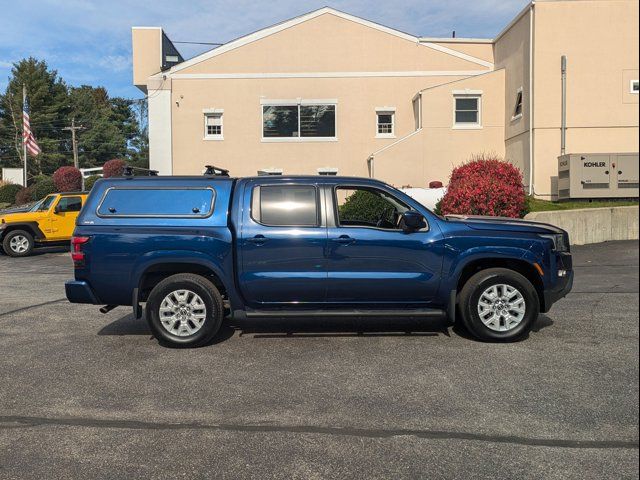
x=366, y=207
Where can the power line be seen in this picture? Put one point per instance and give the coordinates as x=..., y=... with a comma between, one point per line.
x=199, y=43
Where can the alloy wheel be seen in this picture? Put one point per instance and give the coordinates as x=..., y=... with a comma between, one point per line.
x=182, y=313
x=501, y=307
x=19, y=244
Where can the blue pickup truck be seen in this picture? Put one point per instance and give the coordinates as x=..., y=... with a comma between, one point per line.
x=194, y=249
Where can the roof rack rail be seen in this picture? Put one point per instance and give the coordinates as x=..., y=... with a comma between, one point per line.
x=212, y=170
x=128, y=171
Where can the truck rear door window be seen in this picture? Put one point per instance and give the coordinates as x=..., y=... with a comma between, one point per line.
x=285, y=205
x=157, y=202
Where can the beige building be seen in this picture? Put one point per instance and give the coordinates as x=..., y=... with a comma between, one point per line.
x=329, y=92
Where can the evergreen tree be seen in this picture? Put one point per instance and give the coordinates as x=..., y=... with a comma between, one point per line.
x=112, y=127
x=47, y=95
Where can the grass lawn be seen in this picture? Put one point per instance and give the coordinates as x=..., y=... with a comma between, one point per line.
x=537, y=205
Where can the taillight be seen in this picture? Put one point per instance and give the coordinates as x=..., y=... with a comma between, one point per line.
x=77, y=255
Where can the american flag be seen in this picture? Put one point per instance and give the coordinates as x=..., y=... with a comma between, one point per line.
x=27, y=135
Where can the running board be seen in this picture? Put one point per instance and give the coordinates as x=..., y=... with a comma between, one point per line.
x=405, y=312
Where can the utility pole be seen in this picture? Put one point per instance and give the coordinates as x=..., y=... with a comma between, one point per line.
x=74, y=143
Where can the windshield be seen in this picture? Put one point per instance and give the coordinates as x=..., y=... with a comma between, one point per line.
x=46, y=203
x=35, y=206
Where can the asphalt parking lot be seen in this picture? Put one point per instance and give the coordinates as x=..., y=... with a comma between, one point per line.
x=89, y=395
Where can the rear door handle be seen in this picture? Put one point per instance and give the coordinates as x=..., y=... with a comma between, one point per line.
x=257, y=240
x=344, y=239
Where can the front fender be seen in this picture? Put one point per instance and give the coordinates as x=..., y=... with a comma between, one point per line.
x=32, y=227
x=457, y=260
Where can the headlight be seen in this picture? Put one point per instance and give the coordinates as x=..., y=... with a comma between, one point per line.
x=560, y=241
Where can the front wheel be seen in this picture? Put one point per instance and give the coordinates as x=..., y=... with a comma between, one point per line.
x=184, y=310
x=499, y=304
x=18, y=243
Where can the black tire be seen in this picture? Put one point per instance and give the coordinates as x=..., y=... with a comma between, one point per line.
x=481, y=281
x=16, y=234
x=210, y=297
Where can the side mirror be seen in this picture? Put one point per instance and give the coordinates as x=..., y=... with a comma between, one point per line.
x=412, y=221
x=56, y=209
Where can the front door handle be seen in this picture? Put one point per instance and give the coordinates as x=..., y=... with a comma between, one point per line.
x=344, y=239
x=257, y=240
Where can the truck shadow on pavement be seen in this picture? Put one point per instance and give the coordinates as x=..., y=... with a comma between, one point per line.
x=315, y=327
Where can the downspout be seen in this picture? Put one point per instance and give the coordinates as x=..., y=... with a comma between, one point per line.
x=563, y=122
x=531, y=187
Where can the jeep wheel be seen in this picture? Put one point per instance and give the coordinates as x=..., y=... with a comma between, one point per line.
x=18, y=243
x=499, y=304
x=184, y=310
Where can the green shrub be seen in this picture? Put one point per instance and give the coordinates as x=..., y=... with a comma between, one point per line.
x=363, y=206
x=438, y=207
x=41, y=187
x=89, y=181
x=8, y=193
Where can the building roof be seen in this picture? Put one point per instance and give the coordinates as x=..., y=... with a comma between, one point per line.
x=265, y=32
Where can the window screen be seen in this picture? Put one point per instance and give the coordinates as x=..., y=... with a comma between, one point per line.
x=157, y=202
x=280, y=121
x=385, y=123
x=467, y=110
x=213, y=125
x=317, y=120
x=299, y=121
x=285, y=205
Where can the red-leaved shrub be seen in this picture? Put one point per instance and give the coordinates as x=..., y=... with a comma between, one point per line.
x=67, y=179
x=486, y=185
x=113, y=168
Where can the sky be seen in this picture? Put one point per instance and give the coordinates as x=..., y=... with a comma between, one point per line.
x=89, y=42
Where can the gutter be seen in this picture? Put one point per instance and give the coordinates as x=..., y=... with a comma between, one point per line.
x=514, y=21
x=370, y=160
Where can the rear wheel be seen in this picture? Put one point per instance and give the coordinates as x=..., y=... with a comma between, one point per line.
x=18, y=243
x=184, y=310
x=499, y=304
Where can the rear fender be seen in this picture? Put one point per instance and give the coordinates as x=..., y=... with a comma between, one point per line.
x=217, y=266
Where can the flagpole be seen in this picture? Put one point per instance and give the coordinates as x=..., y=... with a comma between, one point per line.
x=24, y=144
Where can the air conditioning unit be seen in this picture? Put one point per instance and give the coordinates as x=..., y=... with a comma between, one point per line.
x=598, y=175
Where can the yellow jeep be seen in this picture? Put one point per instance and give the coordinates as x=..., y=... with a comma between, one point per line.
x=49, y=222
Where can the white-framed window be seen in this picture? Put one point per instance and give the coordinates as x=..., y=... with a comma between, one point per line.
x=634, y=86
x=467, y=109
x=298, y=120
x=517, y=109
x=213, y=124
x=385, y=122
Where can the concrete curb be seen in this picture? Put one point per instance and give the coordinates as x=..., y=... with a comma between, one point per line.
x=593, y=225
